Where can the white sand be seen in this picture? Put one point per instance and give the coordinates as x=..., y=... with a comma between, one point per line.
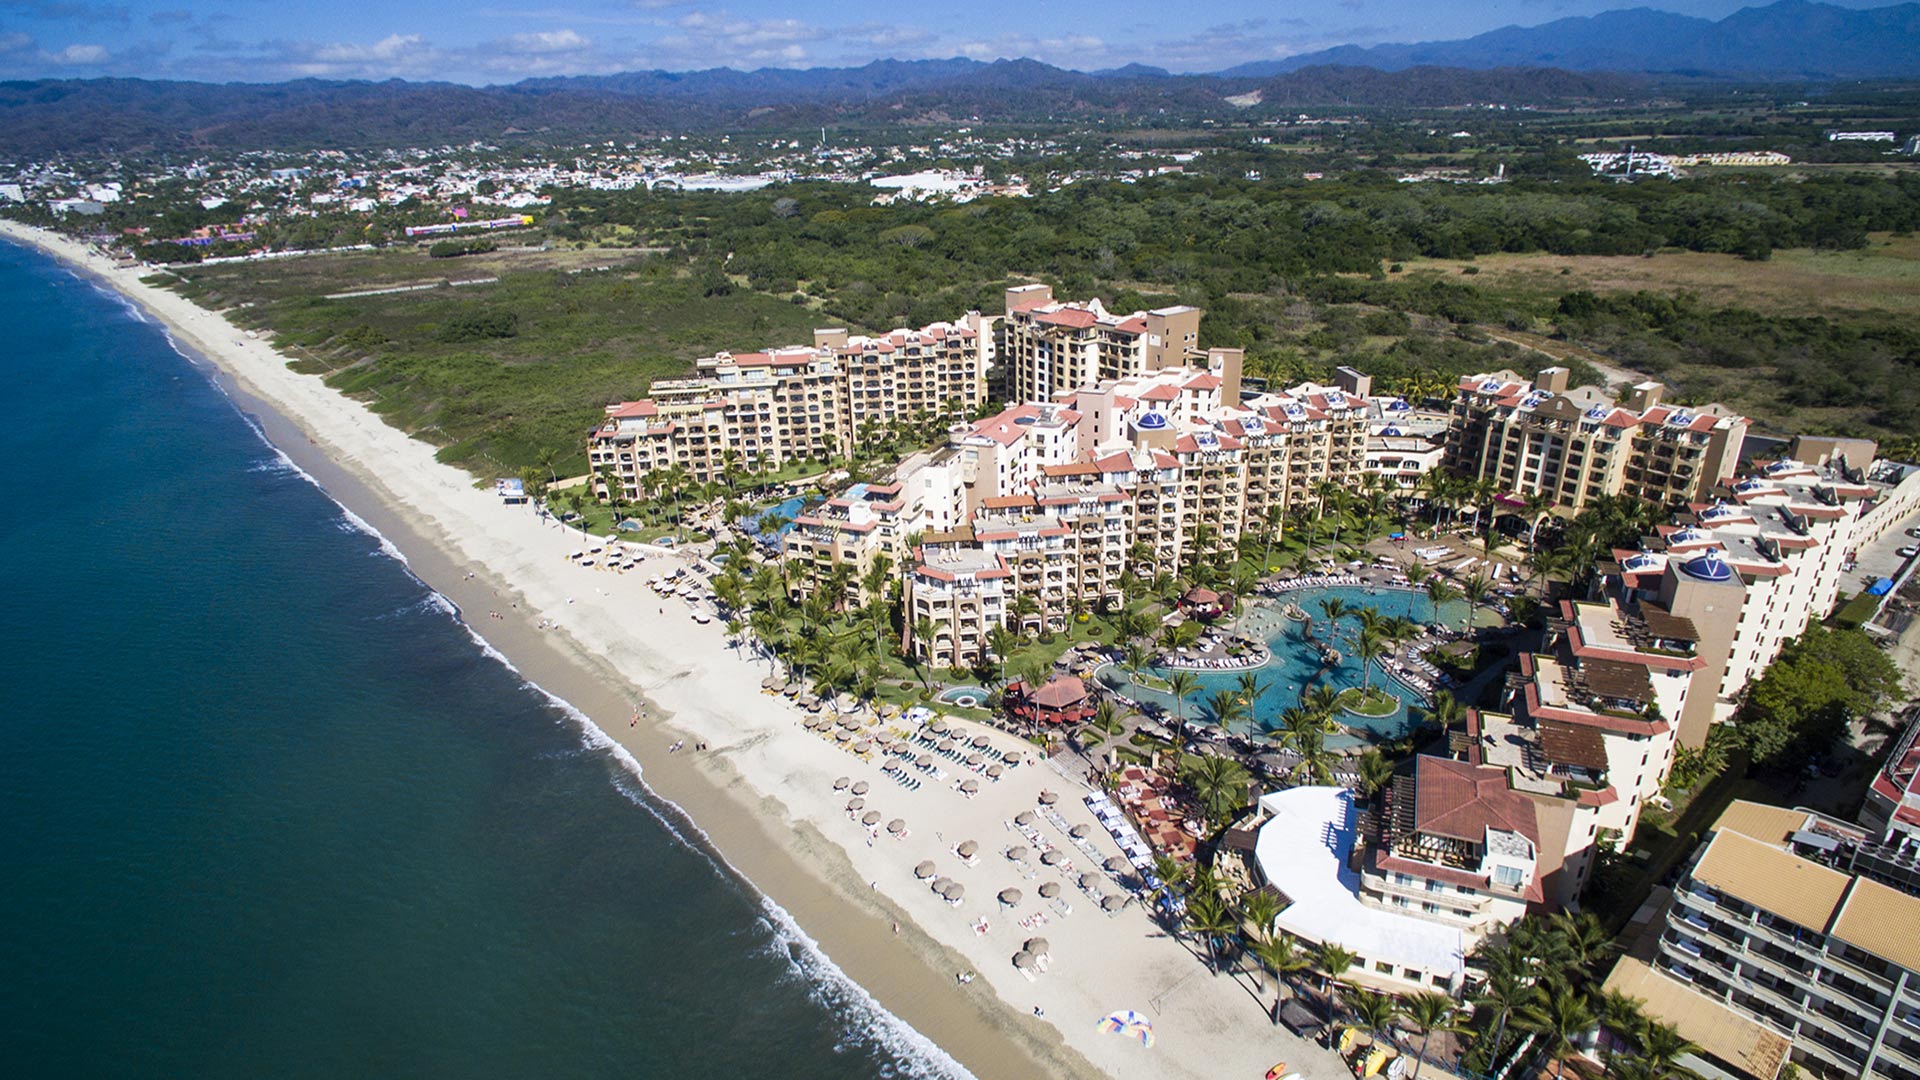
x=1207, y=1026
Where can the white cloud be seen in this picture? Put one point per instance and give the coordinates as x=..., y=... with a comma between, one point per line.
x=79, y=56
x=719, y=38
x=544, y=43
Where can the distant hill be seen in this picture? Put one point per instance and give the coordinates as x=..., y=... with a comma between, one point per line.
x=124, y=115
x=1791, y=39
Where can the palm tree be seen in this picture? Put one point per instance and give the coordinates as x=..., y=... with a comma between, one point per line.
x=1333, y=962
x=1446, y=710
x=1250, y=688
x=1209, y=916
x=1002, y=641
x=1476, y=589
x=1375, y=772
x=1504, y=992
x=1622, y=1014
x=1661, y=1047
x=1539, y=506
x=1226, y=707
x=1334, y=609
x=1559, y=1021
x=1277, y=953
x=1585, y=940
x=1369, y=648
x=1439, y=591
x=1259, y=909
x=1430, y=1012
x=1219, y=785
x=1180, y=684
x=1375, y=1012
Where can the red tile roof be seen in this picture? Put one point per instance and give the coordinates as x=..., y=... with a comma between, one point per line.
x=1462, y=801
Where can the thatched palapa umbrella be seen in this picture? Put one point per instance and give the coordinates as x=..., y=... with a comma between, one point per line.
x=1017, y=852
x=1089, y=880
x=1024, y=817
x=1010, y=897
x=1038, y=946
x=924, y=870
x=967, y=848
x=1079, y=832
x=860, y=787
x=1113, y=903
x=856, y=804
x=870, y=818
x=1048, y=798
x=841, y=783
x=1050, y=890
x=897, y=826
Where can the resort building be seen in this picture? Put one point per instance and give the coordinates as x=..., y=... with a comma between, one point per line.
x=1577, y=445
x=961, y=592
x=873, y=520
x=1304, y=851
x=1458, y=846
x=1759, y=561
x=1773, y=927
x=1047, y=347
x=757, y=411
x=1892, y=806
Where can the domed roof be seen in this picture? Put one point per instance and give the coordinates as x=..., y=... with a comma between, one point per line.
x=1708, y=567
x=1152, y=421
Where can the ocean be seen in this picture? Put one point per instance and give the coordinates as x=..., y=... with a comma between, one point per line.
x=271, y=810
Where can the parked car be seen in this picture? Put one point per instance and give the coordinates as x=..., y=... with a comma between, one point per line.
x=1908, y=552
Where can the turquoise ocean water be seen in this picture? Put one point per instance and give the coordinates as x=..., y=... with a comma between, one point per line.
x=270, y=810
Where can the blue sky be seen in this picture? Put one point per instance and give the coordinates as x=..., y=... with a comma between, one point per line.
x=506, y=40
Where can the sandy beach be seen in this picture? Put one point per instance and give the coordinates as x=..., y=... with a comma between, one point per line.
x=762, y=792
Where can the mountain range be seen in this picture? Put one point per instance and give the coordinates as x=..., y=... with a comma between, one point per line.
x=1792, y=39
x=1605, y=57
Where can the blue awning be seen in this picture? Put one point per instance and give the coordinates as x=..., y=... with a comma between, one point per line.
x=1881, y=587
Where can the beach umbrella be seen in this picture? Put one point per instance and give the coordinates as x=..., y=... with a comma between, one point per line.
x=1024, y=960
x=1117, y=864
x=979, y=740
x=862, y=746
x=924, y=870
x=849, y=723
x=996, y=771
x=845, y=736
x=813, y=706
x=841, y=784
x=924, y=761
x=897, y=826
x=856, y=804
x=937, y=724
x=1038, y=946
x=1024, y=817
x=1089, y=880
x=970, y=786
x=1079, y=832
x=1048, y=798
x=1123, y=1022
x=1052, y=857
x=954, y=891
x=1050, y=890
x=1113, y=903
x=940, y=884
x=860, y=787
x=967, y=848
x=975, y=759
x=769, y=683
x=1017, y=852
x=870, y=818
x=1010, y=897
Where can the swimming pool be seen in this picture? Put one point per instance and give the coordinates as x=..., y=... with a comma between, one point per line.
x=1296, y=663
x=788, y=509
x=966, y=697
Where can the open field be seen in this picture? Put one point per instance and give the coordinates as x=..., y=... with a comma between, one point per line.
x=1885, y=277
x=494, y=372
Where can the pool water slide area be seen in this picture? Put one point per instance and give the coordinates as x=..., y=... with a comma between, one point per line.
x=787, y=510
x=1296, y=665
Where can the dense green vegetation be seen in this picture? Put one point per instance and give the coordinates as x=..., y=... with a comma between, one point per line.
x=511, y=374
x=1804, y=701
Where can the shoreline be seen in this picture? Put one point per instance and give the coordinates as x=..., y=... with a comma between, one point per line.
x=757, y=802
